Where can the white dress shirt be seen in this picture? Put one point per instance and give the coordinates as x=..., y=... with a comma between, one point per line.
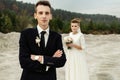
x=46, y=35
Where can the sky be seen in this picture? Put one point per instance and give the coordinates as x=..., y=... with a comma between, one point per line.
x=110, y=7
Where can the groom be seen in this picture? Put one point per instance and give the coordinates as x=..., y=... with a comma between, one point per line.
x=41, y=50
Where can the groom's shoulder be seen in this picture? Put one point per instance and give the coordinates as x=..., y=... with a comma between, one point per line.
x=55, y=33
x=28, y=31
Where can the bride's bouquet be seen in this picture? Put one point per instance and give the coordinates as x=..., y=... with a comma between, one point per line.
x=68, y=40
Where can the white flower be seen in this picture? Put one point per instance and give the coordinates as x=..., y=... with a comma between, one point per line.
x=68, y=40
x=37, y=40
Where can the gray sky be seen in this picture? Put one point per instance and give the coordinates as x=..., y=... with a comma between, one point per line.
x=110, y=7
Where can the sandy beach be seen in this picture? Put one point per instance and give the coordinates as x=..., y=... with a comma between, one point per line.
x=102, y=52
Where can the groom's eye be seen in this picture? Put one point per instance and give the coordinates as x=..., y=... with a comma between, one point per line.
x=47, y=13
x=40, y=13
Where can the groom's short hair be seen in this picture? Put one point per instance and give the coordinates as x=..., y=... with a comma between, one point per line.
x=43, y=2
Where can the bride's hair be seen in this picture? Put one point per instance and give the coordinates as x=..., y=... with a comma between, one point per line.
x=76, y=20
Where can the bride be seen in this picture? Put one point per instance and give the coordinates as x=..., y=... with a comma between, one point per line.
x=76, y=67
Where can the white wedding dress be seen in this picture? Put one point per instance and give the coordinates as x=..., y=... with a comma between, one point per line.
x=76, y=67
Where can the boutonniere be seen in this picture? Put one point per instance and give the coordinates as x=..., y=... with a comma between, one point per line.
x=37, y=40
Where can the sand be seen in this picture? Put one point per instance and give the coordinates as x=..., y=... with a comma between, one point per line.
x=102, y=52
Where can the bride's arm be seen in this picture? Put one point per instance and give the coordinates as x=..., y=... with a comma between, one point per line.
x=75, y=46
x=80, y=47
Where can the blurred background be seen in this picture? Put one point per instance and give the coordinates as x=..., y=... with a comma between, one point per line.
x=100, y=24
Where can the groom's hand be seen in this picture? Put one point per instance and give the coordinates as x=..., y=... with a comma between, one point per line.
x=33, y=57
x=58, y=53
x=37, y=57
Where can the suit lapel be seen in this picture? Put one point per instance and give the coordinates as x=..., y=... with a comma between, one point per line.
x=36, y=32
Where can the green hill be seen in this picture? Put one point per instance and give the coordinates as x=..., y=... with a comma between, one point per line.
x=16, y=16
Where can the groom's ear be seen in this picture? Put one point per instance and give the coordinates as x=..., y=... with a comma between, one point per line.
x=35, y=16
x=50, y=16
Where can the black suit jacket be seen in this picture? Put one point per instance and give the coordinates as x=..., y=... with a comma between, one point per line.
x=33, y=70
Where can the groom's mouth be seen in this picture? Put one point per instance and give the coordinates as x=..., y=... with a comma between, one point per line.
x=44, y=20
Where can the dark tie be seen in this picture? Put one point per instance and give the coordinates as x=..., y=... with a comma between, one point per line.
x=42, y=42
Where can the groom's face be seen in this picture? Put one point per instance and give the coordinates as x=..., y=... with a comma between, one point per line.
x=43, y=15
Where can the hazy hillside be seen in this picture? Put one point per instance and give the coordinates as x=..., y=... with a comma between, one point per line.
x=16, y=16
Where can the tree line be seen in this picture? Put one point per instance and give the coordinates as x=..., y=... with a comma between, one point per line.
x=16, y=16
